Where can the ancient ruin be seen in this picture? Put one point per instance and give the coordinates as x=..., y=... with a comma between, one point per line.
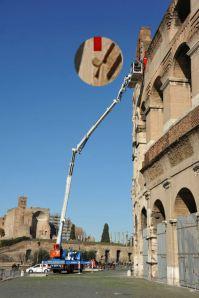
x=22, y=221
x=165, y=190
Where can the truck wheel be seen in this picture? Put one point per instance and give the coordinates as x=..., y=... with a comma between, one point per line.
x=30, y=271
x=46, y=271
x=56, y=271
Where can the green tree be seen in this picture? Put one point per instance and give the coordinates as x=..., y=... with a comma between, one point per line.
x=105, y=234
x=40, y=255
x=28, y=254
x=72, y=232
x=88, y=255
x=9, y=242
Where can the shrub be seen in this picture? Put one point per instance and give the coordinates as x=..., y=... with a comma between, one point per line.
x=8, y=242
x=40, y=255
x=88, y=255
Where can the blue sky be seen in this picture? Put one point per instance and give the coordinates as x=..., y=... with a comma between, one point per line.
x=45, y=108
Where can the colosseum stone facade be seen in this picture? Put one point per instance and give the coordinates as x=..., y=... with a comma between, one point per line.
x=165, y=190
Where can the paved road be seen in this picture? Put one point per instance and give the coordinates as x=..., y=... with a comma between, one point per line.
x=89, y=285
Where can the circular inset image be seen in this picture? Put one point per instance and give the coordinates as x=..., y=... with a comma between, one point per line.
x=98, y=61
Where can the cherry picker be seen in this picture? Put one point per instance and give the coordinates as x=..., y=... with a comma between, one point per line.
x=60, y=261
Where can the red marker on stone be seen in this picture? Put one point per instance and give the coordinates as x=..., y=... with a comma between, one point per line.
x=97, y=43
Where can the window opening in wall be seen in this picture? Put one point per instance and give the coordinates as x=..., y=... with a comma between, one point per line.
x=183, y=9
x=117, y=256
x=144, y=218
x=106, y=256
x=129, y=256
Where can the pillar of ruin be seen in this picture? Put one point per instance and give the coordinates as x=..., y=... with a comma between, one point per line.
x=176, y=93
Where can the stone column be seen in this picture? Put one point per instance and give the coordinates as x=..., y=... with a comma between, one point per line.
x=136, y=255
x=150, y=237
x=194, y=55
x=154, y=123
x=152, y=253
x=177, y=100
x=140, y=254
x=172, y=253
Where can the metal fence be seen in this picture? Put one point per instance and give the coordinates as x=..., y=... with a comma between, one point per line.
x=161, y=253
x=188, y=250
x=9, y=273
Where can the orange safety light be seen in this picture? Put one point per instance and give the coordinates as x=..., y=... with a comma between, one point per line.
x=55, y=253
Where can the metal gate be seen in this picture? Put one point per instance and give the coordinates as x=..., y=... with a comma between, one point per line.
x=161, y=253
x=145, y=255
x=188, y=251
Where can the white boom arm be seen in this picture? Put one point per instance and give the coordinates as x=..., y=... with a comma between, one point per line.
x=81, y=145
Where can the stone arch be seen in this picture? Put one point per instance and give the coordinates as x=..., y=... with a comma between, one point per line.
x=154, y=113
x=39, y=225
x=185, y=203
x=158, y=214
x=177, y=93
x=182, y=10
x=176, y=16
x=157, y=93
x=143, y=218
x=182, y=63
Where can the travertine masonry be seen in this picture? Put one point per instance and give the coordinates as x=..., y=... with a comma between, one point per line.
x=165, y=184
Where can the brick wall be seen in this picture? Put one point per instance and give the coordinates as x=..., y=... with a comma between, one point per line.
x=18, y=249
x=181, y=128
